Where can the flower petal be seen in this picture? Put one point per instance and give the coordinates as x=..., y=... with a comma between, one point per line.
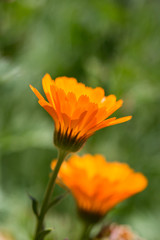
x=119, y=120
x=38, y=95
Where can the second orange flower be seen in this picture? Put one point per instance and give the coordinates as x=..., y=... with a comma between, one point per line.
x=98, y=185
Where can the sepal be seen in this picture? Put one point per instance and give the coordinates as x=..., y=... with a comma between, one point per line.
x=34, y=205
x=43, y=233
x=57, y=200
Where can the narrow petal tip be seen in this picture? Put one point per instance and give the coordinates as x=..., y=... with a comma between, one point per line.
x=47, y=75
x=129, y=118
x=38, y=95
x=32, y=88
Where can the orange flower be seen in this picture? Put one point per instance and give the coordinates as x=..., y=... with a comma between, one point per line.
x=78, y=111
x=98, y=185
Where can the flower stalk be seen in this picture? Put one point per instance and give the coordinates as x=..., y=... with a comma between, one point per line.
x=86, y=230
x=47, y=197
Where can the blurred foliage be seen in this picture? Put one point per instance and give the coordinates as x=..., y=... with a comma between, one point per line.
x=109, y=43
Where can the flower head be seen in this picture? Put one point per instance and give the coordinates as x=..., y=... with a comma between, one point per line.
x=98, y=185
x=78, y=111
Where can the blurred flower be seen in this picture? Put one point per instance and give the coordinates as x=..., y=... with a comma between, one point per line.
x=98, y=185
x=78, y=111
x=5, y=236
x=117, y=232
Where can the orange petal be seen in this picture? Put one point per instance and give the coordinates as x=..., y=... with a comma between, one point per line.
x=46, y=83
x=39, y=96
x=97, y=94
x=114, y=108
x=101, y=125
x=66, y=83
x=56, y=101
x=66, y=121
x=109, y=101
x=119, y=120
x=50, y=110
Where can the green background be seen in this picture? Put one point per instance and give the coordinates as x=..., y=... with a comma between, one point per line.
x=114, y=44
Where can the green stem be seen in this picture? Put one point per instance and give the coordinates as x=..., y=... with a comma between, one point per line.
x=86, y=231
x=46, y=201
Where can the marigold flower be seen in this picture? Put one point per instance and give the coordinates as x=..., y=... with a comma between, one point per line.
x=78, y=111
x=98, y=185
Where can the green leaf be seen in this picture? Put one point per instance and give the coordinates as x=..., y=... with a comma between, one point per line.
x=43, y=233
x=56, y=200
x=34, y=205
